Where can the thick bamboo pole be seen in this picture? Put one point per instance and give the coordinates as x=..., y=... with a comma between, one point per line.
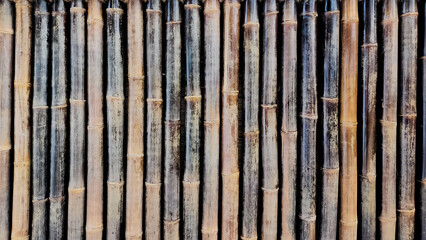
x=135, y=137
x=269, y=143
x=209, y=227
x=172, y=121
x=388, y=122
x=348, y=120
x=407, y=120
x=6, y=68
x=289, y=120
x=115, y=119
x=95, y=127
x=423, y=171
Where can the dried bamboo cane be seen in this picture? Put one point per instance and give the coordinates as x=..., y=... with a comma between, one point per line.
x=135, y=137
x=407, y=120
x=210, y=226
x=95, y=128
x=289, y=120
x=369, y=67
x=6, y=67
x=269, y=142
x=40, y=121
x=115, y=119
x=348, y=120
x=172, y=121
x=423, y=171
x=330, y=122
x=388, y=122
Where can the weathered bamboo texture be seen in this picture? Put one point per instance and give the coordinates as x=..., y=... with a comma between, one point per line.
x=40, y=145
x=388, y=123
x=95, y=127
x=172, y=121
x=6, y=68
x=209, y=227
x=422, y=213
x=229, y=145
x=115, y=119
x=269, y=143
x=135, y=137
x=329, y=196
x=407, y=120
x=289, y=120
x=348, y=120
x=369, y=67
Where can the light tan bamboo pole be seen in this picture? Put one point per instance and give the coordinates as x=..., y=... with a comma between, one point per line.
x=209, y=227
x=95, y=127
x=135, y=137
x=6, y=68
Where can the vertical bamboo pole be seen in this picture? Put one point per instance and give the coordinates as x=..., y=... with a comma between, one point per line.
x=95, y=127
x=423, y=171
x=348, y=120
x=289, y=120
x=269, y=142
x=135, y=137
x=407, y=120
x=6, y=67
x=212, y=38
x=388, y=122
x=172, y=121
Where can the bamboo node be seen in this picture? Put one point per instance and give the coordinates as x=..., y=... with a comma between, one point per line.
x=271, y=13
x=117, y=98
x=367, y=45
x=368, y=177
x=268, y=105
x=20, y=237
x=189, y=183
x=332, y=12
x=407, y=14
x=251, y=24
x=147, y=184
x=117, y=10
x=99, y=228
x=22, y=5
x=254, y=133
x=77, y=101
x=77, y=10
x=216, y=122
x=5, y=148
x=330, y=170
x=327, y=99
x=172, y=122
x=135, y=156
x=134, y=235
x=195, y=98
x=173, y=22
x=406, y=211
x=57, y=199
x=63, y=106
x=270, y=190
x=153, y=11
x=288, y=132
x=76, y=190
x=387, y=219
x=350, y=20
x=154, y=100
x=228, y=4
x=389, y=21
x=230, y=92
x=309, y=116
x=193, y=6
x=313, y=14
x=248, y=238
x=95, y=126
x=171, y=222
x=308, y=218
x=115, y=184
x=211, y=11
x=409, y=115
x=289, y=22
x=349, y=223
x=40, y=200
x=18, y=83
x=6, y=31
x=348, y=124
x=391, y=123
x=41, y=107
x=58, y=13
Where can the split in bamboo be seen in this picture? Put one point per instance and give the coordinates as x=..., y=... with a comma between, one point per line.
x=423, y=171
x=289, y=120
x=115, y=119
x=209, y=228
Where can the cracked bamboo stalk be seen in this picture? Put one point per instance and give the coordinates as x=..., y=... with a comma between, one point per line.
x=407, y=120
x=423, y=171
x=269, y=143
x=115, y=119
x=95, y=127
x=209, y=227
x=388, y=123
x=289, y=120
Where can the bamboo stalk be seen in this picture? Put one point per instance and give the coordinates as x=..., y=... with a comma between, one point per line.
x=95, y=128
x=172, y=121
x=269, y=144
x=210, y=226
x=388, y=122
x=423, y=171
x=330, y=122
x=407, y=120
x=289, y=120
x=6, y=67
x=348, y=120
x=115, y=119
x=135, y=137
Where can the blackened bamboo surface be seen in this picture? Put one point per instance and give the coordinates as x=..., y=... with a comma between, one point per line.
x=422, y=212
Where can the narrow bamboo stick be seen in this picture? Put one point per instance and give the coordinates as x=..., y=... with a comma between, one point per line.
x=172, y=121
x=388, y=122
x=95, y=127
x=135, y=137
x=269, y=133
x=6, y=67
x=289, y=120
x=115, y=119
x=209, y=227
x=348, y=120
x=329, y=196
x=407, y=120
x=423, y=171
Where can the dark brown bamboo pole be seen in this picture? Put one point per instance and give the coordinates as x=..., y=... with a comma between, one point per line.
x=369, y=66
x=388, y=122
x=269, y=143
x=115, y=119
x=329, y=196
x=407, y=120
x=348, y=120
x=209, y=227
x=135, y=137
x=95, y=127
x=423, y=171
x=289, y=120
x=6, y=68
